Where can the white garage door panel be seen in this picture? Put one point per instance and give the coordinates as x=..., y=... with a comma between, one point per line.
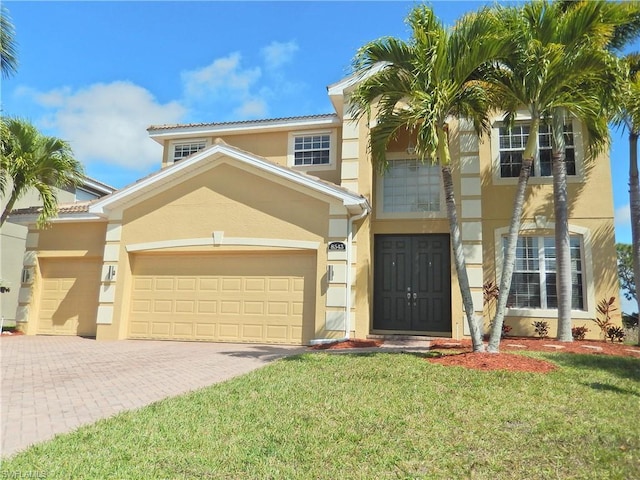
x=239, y=298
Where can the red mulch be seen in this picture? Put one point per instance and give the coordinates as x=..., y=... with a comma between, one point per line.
x=520, y=363
x=12, y=333
x=463, y=357
x=495, y=361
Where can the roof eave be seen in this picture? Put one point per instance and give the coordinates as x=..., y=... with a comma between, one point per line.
x=160, y=134
x=32, y=218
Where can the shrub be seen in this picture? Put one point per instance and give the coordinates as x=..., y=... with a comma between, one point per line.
x=542, y=328
x=579, y=333
x=505, y=330
x=605, y=309
x=615, y=333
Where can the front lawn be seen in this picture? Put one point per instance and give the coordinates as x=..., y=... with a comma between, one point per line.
x=370, y=416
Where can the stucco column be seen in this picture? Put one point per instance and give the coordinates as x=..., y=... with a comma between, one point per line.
x=109, y=276
x=336, y=295
x=471, y=213
x=27, y=293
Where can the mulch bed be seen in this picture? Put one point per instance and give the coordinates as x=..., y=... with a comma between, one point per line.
x=520, y=363
x=11, y=333
x=461, y=354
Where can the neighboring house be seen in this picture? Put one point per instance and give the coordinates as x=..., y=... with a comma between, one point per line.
x=280, y=231
x=13, y=238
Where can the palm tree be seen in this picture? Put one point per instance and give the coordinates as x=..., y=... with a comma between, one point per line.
x=8, y=46
x=29, y=159
x=629, y=117
x=418, y=86
x=559, y=70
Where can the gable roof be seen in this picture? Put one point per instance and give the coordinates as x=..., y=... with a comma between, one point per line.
x=146, y=187
x=338, y=90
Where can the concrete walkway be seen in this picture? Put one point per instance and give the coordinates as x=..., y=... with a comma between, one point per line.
x=52, y=385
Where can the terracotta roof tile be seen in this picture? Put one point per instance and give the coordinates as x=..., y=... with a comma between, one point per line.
x=76, y=207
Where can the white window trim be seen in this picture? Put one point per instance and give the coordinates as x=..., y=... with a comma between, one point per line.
x=173, y=143
x=541, y=229
x=309, y=168
x=382, y=215
x=578, y=147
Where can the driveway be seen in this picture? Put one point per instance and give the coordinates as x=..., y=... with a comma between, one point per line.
x=52, y=385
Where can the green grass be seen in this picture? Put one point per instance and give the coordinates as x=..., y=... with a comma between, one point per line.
x=373, y=416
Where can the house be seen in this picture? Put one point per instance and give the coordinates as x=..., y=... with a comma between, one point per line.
x=13, y=239
x=280, y=231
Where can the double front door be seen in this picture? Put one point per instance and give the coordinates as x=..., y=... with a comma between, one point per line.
x=412, y=284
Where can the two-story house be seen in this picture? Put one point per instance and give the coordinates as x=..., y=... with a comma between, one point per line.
x=280, y=231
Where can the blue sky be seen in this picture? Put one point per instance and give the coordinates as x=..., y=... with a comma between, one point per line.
x=99, y=73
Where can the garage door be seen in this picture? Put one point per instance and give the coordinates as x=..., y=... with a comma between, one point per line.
x=227, y=298
x=69, y=296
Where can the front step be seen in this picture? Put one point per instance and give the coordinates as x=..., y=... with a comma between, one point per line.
x=399, y=337
x=403, y=342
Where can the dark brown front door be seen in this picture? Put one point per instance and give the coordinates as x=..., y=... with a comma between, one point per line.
x=412, y=284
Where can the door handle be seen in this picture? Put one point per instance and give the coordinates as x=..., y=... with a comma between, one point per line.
x=415, y=295
x=409, y=295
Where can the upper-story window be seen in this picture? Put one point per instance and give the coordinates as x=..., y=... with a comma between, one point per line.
x=312, y=149
x=409, y=188
x=513, y=142
x=184, y=149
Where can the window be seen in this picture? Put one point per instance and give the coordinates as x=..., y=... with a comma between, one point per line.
x=84, y=195
x=312, y=150
x=512, y=142
x=183, y=150
x=411, y=186
x=534, y=276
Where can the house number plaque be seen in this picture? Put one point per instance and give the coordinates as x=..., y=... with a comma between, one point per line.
x=337, y=246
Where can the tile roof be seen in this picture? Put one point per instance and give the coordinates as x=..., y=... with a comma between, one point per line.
x=76, y=207
x=241, y=122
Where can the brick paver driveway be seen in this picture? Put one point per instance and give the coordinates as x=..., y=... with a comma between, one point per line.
x=52, y=385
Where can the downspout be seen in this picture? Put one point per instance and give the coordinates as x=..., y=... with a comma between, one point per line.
x=347, y=308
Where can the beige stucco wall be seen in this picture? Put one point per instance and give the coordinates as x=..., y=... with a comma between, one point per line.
x=274, y=146
x=591, y=208
x=60, y=240
x=12, y=248
x=226, y=199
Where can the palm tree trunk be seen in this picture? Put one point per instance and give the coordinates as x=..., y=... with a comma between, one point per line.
x=561, y=210
x=458, y=256
x=509, y=256
x=634, y=205
x=8, y=207
x=512, y=240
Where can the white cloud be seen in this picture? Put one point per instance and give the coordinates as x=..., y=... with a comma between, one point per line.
x=222, y=76
x=623, y=216
x=106, y=123
x=277, y=54
x=252, y=108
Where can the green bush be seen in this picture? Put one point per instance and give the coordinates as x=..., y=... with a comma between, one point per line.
x=615, y=333
x=542, y=328
x=579, y=333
